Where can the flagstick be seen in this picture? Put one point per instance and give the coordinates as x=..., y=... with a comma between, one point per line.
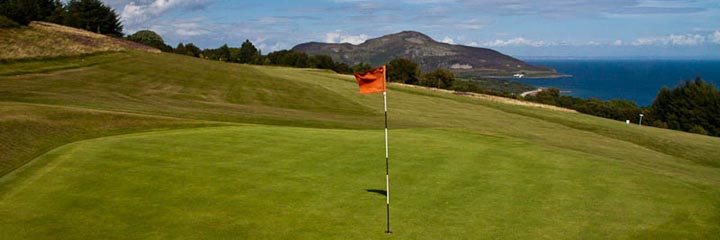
x=387, y=171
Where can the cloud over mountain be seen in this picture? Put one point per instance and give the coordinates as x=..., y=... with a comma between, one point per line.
x=134, y=13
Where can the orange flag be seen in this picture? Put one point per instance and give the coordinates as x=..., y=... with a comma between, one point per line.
x=372, y=81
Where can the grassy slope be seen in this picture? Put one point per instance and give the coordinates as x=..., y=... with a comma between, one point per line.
x=488, y=169
x=43, y=40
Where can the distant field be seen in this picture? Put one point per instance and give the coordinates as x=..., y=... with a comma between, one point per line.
x=134, y=145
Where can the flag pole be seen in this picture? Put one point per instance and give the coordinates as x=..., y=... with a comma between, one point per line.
x=387, y=169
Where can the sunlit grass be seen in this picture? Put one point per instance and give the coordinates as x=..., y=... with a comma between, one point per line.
x=462, y=167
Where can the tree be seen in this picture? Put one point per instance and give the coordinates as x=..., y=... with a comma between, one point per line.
x=148, y=38
x=403, y=70
x=248, y=53
x=192, y=50
x=361, y=67
x=180, y=49
x=342, y=68
x=222, y=53
x=322, y=62
x=94, y=16
x=690, y=106
x=289, y=58
x=25, y=11
x=439, y=78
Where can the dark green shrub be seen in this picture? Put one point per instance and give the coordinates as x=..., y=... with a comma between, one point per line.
x=7, y=23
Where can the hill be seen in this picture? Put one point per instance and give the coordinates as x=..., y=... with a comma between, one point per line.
x=134, y=145
x=429, y=54
x=42, y=40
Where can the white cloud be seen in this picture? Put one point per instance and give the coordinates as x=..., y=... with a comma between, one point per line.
x=189, y=29
x=332, y=37
x=339, y=37
x=617, y=43
x=448, y=40
x=472, y=24
x=687, y=39
x=472, y=44
x=715, y=37
x=134, y=13
x=676, y=40
x=428, y=1
x=519, y=41
x=186, y=32
x=265, y=48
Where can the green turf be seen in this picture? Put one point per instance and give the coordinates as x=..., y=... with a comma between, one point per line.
x=462, y=167
x=259, y=182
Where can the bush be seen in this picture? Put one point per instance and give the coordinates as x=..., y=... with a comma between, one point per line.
x=439, y=78
x=403, y=70
x=361, y=67
x=659, y=124
x=697, y=129
x=149, y=38
x=7, y=23
x=25, y=11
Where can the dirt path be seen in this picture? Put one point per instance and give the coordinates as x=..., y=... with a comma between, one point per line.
x=533, y=92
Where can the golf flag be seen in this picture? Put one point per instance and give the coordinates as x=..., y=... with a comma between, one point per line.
x=372, y=81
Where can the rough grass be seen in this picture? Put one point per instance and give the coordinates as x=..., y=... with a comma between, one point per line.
x=465, y=166
x=43, y=40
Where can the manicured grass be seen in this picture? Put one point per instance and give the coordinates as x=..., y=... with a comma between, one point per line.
x=462, y=167
x=261, y=182
x=28, y=130
x=26, y=66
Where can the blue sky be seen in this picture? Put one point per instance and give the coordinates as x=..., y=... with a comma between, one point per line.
x=526, y=29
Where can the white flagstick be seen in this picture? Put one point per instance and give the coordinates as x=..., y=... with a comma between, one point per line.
x=387, y=172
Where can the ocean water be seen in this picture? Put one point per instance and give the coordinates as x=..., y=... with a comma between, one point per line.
x=635, y=80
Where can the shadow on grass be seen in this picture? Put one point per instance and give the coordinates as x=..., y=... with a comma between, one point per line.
x=378, y=191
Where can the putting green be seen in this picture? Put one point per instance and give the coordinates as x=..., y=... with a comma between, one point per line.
x=268, y=182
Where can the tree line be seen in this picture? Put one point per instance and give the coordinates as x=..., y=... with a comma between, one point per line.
x=691, y=106
x=90, y=15
x=247, y=53
x=399, y=70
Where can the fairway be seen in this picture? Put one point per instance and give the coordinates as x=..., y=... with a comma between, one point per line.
x=134, y=145
x=270, y=182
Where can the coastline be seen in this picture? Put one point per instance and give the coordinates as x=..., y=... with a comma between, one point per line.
x=510, y=77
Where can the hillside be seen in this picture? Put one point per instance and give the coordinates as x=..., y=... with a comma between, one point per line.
x=42, y=39
x=429, y=54
x=137, y=145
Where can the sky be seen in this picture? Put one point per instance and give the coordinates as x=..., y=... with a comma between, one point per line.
x=653, y=29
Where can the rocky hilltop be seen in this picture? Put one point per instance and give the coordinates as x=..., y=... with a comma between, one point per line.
x=429, y=54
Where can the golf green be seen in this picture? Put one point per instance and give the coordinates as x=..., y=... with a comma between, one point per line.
x=270, y=182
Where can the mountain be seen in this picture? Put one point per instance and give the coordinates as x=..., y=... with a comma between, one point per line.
x=429, y=54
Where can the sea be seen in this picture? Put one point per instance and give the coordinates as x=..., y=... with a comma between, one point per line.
x=634, y=80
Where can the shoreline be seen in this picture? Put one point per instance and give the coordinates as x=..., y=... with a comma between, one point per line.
x=559, y=75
